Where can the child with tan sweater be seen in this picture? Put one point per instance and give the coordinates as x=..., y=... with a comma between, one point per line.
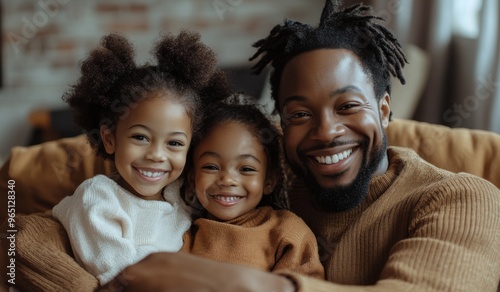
x=234, y=176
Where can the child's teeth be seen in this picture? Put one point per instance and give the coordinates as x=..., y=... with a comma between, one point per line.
x=150, y=173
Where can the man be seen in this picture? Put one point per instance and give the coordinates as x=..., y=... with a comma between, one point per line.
x=384, y=218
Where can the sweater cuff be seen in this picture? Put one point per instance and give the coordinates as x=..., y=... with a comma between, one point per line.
x=304, y=283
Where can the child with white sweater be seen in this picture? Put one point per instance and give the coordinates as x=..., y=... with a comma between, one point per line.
x=142, y=118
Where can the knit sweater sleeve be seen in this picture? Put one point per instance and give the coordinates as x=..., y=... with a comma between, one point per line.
x=297, y=250
x=452, y=244
x=96, y=226
x=43, y=257
x=454, y=238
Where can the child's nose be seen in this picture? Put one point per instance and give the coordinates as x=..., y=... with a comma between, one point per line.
x=227, y=179
x=156, y=153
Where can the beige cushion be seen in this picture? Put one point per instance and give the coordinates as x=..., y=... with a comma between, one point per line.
x=44, y=174
x=456, y=150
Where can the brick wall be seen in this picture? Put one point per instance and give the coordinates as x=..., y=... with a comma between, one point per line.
x=43, y=41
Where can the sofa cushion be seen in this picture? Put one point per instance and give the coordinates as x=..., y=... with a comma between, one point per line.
x=44, y=174
x=456, y=150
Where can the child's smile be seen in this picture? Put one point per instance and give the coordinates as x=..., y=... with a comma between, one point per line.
x=150, y=145
x=229, y=171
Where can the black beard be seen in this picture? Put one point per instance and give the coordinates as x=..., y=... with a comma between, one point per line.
x=342, y=198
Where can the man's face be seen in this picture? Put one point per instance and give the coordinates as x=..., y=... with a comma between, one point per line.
x=333, y=125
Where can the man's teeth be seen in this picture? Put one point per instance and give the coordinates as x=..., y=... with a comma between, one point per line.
x=332, y=159
x=151, y=174
x=226, y=199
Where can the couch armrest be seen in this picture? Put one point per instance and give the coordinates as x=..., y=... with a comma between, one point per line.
x=44, y=174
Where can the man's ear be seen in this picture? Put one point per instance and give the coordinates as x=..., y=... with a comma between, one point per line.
x=108, y=139
x=385, y=110
x=270, y=183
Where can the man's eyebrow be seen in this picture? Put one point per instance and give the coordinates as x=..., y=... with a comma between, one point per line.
x=293, y=98
x=348, y=88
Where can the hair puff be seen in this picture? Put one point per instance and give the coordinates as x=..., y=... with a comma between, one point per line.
x=111, y=82
x=189, y=61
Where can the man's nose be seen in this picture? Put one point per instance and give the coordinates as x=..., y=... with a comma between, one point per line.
x=327, y=127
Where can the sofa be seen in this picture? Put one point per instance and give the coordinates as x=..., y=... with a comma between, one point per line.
x=44, y=174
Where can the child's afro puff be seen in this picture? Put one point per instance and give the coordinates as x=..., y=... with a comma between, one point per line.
x=111, y=81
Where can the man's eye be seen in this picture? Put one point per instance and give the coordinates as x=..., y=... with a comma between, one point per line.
x=297, y=115
x=348, y=106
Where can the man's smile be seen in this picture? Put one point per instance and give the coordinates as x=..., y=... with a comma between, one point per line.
x=335, y=158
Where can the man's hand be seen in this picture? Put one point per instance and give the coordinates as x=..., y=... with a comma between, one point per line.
x=185, y=272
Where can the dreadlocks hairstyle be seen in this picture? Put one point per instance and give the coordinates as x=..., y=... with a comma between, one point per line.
x=111, y=83
x=238, y=109
x=353, y=28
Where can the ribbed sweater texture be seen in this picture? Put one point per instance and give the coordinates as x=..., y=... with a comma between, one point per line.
x=266, y=239
x=420, y=228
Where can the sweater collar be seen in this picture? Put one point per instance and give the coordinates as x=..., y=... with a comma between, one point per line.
x=251, y=218
x=379, y=184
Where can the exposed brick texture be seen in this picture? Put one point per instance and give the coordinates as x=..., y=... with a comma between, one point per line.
x=43, y=40
x=35, y=32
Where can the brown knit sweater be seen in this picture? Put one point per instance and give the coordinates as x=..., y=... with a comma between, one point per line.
x=420, y=229
x=265, y=239
x=44, y=259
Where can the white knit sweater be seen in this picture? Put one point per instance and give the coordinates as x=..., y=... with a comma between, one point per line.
x=110, y=228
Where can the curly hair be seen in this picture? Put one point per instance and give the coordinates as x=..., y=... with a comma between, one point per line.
x=353, y=28
x=244, y=111
x=111, y=82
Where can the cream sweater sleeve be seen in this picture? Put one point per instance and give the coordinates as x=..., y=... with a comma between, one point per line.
x=109, y=230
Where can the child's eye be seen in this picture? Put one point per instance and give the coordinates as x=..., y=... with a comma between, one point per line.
x=175, y=143
x=248, y=169
x=210, y=167
x=140, y=138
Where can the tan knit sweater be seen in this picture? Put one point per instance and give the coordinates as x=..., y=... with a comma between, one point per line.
x=265, y=239
x=420, y=229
